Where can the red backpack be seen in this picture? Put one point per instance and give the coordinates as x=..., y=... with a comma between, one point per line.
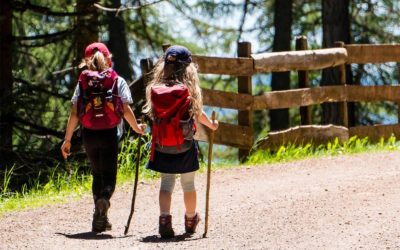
x=173, y=126
x=99, y=105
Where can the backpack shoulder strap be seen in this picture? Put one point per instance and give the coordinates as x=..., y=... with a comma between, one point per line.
x=114, y=87
x=113, y=74
x=83, y=76
x=82, y=83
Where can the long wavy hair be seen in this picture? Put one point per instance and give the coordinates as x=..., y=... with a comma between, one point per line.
x=97, y=62
x=162, y=73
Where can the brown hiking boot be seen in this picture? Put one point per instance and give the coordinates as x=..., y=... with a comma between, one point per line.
x=100, y=220
x=191, y=223
x=165, y=227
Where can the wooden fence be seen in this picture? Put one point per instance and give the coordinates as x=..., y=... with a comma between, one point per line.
x=246, y=65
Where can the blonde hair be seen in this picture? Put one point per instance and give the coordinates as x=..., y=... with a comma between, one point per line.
x=97, y=62
x=189, y=77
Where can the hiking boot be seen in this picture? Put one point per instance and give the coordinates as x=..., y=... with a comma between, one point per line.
x=100, y=224
x=165, y=227
x=191, y=223
x=100, y=220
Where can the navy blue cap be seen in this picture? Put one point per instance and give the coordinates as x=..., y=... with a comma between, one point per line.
x=178, y=54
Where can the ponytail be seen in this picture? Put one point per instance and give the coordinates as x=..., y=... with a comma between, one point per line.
x=97, y=62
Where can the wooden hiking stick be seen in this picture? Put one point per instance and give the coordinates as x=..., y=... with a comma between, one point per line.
x=135, y=185
x=210, y=147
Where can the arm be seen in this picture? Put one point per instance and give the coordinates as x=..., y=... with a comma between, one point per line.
x=73, y=121
x=203, y=119
x=131, y=119
x=126, y=97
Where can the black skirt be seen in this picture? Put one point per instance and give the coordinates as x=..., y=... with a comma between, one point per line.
x=176, y=163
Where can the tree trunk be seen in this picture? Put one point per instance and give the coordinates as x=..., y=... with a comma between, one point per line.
x=336, y=27
x=279, y=118
x=87, y=32
x=88, y=27
x=117, y=43
x=6, y=83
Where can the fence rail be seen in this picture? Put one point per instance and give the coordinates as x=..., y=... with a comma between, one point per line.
x=298, y=60
x=240, y=66
x=301, y=97
x=372, y=53
x=228, y=134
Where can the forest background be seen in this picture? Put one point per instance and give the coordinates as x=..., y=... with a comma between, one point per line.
x=42, y=42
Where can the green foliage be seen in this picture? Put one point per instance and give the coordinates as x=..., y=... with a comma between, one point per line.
x=6, y=180
x=127, y=159
x=60, y=186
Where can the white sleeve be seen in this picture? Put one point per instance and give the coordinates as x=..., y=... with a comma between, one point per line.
x=123, y=91
x=74, y=98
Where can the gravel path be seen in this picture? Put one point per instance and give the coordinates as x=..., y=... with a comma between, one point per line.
x=346, y=202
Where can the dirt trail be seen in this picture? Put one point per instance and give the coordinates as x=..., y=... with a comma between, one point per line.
x=345, y=202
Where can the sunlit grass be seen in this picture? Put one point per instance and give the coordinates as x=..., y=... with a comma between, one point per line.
x=66, y=184
x=63, y=185
x=291, y=153
x=60, y=187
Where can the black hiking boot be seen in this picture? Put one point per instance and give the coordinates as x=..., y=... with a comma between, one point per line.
x=165, y=227
x=100, y=220
x=191, y=223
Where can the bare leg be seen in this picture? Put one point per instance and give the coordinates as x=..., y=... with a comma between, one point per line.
x=165, y=202
x=191, y=217
x=166, y=189
x=190, y=203
x=189, y=193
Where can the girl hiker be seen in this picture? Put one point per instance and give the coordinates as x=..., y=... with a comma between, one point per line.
x=174, y=102
x=100, y=100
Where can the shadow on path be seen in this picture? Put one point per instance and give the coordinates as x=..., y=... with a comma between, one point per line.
x=90, y=236
x=177, y=238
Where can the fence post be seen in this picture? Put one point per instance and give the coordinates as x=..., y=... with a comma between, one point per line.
x=342, y=81
x=245, y=118
x=304, y=82
x=146, y=65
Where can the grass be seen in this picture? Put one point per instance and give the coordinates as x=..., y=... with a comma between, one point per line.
x=291, y=153
x=61, y=185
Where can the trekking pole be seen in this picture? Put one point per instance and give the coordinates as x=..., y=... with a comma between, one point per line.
x=135, y=184
x=210, y=147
